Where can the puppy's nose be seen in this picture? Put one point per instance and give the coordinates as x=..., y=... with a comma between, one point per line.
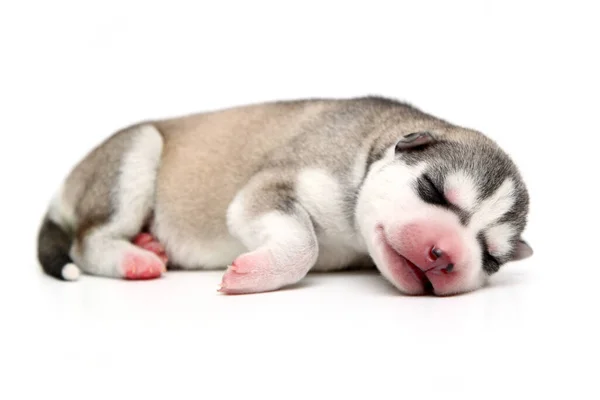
x=437, y=253
x=438, y=259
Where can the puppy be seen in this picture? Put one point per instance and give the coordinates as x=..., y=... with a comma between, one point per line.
x=278, y=189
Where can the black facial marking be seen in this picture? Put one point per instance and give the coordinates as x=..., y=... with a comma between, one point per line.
x=429, y=192
x=463, y=216
x=488, y=262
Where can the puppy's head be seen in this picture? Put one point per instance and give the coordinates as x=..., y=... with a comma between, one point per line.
x=441, y=212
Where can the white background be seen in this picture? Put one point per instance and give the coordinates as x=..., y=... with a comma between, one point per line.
x=525, y=73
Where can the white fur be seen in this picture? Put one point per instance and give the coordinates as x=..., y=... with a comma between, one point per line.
x=134, y=194
x=322, y=196
x=465, y=189
x=291, y=241
x=236, y=213
x=101, y=254
x=387, y=195
x=70, y=272
x=494, y=207
x=132, y=197
x=498, y=239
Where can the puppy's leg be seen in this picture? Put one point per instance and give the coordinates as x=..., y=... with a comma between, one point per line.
x=277, y=230
x=102, y=244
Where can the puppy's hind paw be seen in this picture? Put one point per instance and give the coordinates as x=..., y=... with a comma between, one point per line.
x=142, y=265
x=148, y=242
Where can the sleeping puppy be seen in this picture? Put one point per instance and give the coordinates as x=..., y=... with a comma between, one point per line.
x=278, y=189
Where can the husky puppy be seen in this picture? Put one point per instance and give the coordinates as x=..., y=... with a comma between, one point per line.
x=275, y=190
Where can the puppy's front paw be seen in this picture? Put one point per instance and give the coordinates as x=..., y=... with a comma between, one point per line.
x=251, y=273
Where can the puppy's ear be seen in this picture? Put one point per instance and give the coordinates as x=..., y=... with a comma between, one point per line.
x=415, y=139
x=522, y=251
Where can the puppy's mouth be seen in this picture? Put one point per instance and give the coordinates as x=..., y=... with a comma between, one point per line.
x=407, y=276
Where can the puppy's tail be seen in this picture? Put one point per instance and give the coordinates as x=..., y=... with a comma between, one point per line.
x=54, y=244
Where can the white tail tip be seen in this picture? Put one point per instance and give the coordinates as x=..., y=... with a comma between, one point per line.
x=71, y=272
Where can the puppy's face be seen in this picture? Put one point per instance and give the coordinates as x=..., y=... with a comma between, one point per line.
x=440, y=215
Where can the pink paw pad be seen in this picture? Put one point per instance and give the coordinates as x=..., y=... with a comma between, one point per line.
x=148, y=242
x=142, y=266
x=249, y=273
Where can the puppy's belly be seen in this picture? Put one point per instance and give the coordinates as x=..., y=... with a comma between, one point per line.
x=196, y=253
x=194, y=246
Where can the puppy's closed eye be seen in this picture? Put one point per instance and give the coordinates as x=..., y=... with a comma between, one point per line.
x=429, y=192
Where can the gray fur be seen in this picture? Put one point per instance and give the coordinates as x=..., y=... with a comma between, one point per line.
x=90, y=185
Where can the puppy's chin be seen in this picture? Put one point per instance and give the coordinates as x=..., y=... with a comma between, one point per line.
x=402, y=273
